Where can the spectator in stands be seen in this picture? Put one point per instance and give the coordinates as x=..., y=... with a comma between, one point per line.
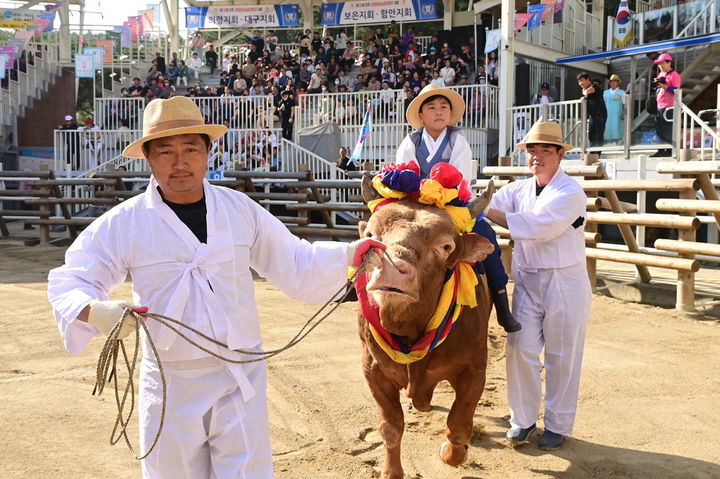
x=287, y=114
x=341, y=40
x=248, y=69
x=172, y=73
x=160, y=62
x=543, y=97
x=195, y=65
x=239, y=84
x=595, y=108
x=226, y=63
x=436, y=80
x=344, y=162
x=137, y=89
x=211, y=59
x=72, y=142
x=315, y=82
x=182, y=73
x=492, y=66
x=615, y=105
x=197, y=43
x=666, y=82
x=153, y=74
x=447, y=73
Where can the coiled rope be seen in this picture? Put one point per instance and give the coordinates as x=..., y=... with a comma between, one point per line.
x=108, y=361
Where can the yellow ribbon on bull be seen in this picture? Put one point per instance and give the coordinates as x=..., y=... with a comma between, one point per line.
x=465, y=297
x=433, y=193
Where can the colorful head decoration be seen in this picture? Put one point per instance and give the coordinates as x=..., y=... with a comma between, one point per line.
x=444, y=188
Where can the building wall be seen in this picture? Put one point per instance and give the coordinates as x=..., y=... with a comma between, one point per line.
x=36, y=127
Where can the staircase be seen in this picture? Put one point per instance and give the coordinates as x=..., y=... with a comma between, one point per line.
x=699, y=74
x=29, y=86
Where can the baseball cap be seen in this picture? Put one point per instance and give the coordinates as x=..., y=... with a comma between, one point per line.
x=663, y=57
x=68, y=117
x=545, y=86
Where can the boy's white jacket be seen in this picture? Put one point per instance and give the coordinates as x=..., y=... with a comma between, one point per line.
x=207, y=286
x=460, y=156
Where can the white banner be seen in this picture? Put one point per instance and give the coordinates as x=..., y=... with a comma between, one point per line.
x=98, y=54
x=492, y=40
x=285, y=15
x=377, y=11
x=3, y=61
x=84, y=66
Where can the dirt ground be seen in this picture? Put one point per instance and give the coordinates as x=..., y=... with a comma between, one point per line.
x=649, y=401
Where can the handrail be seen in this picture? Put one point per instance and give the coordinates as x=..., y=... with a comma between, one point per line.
x=705, y=12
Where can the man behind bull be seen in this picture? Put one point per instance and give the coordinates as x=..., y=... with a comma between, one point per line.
x=545, y=215
x=189, y=247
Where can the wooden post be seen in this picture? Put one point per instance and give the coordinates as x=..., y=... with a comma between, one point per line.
x=589, y=159
x=685, y=298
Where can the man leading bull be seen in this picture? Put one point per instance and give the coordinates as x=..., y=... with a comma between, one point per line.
x=546, y=216
x=189, y=247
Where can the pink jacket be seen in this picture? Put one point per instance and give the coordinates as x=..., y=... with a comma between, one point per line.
x=665, y=96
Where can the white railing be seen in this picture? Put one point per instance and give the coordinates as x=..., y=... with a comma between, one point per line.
x=110, y=111
x=568, y=114
x=240, y=111
x=87, y=150
x=578, y=33
x=694, y=130
x=348, y=109
x=294, y=157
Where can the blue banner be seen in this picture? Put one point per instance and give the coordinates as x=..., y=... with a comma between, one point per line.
x=244, y=16
x=536, y=11
x=347, y=13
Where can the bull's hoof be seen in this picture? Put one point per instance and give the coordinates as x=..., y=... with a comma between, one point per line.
x=427, y=407
x=453, y=455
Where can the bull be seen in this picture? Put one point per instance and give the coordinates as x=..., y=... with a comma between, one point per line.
x=423, y=245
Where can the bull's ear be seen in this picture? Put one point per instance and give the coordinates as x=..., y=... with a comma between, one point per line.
x=471, y=247
x=482, y=201
x=369, y=193
x=362, y=227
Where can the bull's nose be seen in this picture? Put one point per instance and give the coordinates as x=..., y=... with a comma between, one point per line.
x=399, y=265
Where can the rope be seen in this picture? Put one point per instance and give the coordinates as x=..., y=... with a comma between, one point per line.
x=113, y=347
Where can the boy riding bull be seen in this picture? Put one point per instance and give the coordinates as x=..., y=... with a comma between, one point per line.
x=432, y=113
x=189, y=247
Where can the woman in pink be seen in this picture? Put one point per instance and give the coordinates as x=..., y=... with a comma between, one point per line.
x=667, y=81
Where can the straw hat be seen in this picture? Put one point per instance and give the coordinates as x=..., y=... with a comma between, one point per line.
x=545, y=132
x=615, y=77
x=177, y=116
x=456, y=101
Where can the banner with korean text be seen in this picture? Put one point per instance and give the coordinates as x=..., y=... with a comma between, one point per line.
x=9, y=52
x=492, y=40
x=98, y=54
x=249, y=16
x=348, y=13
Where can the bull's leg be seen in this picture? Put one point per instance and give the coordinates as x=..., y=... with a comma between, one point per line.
x=469, y=386
x=392, y=422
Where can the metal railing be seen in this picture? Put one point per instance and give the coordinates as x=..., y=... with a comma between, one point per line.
x=671, y=22
x=348, y=109
x=697, y=136
x=239, y=111
x=569, y=114
x=579, y=31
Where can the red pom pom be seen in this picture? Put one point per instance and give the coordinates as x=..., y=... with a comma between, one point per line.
x=464, y=191
x=410, y=165
x=446, y=174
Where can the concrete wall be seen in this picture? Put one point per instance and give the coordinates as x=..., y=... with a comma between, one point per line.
x=36, y=127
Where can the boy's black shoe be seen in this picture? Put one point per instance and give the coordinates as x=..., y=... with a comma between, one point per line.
x=549, y=441
x=502, y=311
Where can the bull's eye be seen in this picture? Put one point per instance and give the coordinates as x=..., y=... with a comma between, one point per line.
x=448, y=247
x=368, y=234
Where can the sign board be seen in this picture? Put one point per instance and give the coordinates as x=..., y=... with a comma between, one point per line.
x=248, y=16
x=349, y=13
x=84, y=66
x=3, y=61
x=98, y=54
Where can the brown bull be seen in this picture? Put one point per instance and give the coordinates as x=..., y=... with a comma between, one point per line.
x=423, y=244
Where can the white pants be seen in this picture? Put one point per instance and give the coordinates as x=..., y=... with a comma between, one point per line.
x=553, y=306
x=209, y=430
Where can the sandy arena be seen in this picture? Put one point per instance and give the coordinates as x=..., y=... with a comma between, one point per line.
x=649, y=399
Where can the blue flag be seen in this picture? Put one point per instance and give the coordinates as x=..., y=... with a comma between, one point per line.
x=536, y=19
x=364, y=135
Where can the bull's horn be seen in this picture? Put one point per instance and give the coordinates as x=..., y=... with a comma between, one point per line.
x=369, y=192
x=481, y=202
